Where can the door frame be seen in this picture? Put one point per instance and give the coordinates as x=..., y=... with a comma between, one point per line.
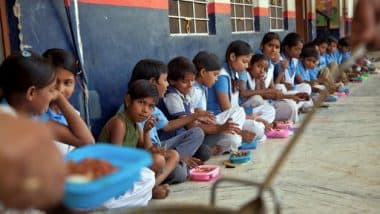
x=4, y=29
x=301, y=19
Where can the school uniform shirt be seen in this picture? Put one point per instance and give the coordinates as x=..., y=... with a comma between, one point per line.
x=222, y=85
x=161, y=122
x=62, y=147
x=303, y=72
x=198, y=96
x=313, y=74
x=322, y=61
x=57, y=117
x=290, y=72
x=174, y=105
x=6, y=108
x=343, y=56
x=246, y=78
x=332, y=57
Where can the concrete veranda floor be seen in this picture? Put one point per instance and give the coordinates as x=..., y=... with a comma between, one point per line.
x=335, y=168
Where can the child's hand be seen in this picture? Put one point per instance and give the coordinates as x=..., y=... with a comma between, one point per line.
x=205, y=116
x=296, y=98
x=267, y=125
x=158, y=150
x=57, y=96
x=303, y=96
x=288, y=86
x=275, y=94
x=229, y=127
x=149, y=124
x=284, y=64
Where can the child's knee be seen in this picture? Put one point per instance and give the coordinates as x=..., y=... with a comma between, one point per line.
x=158, y=163
x=203, y=153
x=172, y=155
x=198, y=135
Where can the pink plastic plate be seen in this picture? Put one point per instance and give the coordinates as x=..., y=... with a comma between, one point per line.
x=204, y=173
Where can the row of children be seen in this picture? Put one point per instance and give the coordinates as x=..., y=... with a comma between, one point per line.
x=207, y=108
x=199, y=111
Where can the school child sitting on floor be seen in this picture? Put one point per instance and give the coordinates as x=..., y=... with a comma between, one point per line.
x=225, y=126
x=65, y=67
x=122, y=129
x=285, y=109
x=332, y=57
x=344, y=53
x=256, y=84
x=306, y=70
x=321, y=44
x=31, y=95
x=189, y=143
x=178, y=102
x=344, y=49
x=224, y=94
x=291, y=47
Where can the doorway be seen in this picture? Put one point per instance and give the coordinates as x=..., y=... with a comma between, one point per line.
x=301, y=19
x=5, y=48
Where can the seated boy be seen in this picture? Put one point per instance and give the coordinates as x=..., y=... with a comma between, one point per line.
x=222, y=132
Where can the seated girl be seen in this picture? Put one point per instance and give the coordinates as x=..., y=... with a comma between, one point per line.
x=224, y=94
x=255, y=84
x=291, y=47
x=285, y=109
x=65, y=67
x=31, y=95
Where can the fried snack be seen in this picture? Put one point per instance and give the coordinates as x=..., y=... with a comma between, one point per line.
x=239, y=154
x=90, y=168
x=204, y=169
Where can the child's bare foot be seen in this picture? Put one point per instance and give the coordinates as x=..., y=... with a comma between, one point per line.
x=216, y=150
x=248, y=136
x=160, y=191
x=192, y=162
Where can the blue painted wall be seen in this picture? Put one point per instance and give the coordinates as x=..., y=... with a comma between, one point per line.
x=115, y=38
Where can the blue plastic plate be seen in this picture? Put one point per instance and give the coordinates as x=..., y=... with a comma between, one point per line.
x=248, y=146
x=241, y=159
x=89, y=195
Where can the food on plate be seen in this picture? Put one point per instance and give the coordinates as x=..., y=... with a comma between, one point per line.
x=204, y=169
x=88, y=169
x=239, y=154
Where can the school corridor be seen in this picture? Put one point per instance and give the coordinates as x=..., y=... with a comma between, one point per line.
x=334, y=168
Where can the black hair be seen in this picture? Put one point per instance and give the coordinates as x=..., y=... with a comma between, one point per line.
x=344, y=42
x=320, y=40
x=22, y=70
x=178, y=67
x=148, y=69
x=291, y=40
x=268, y=37
x=239, y=47
x=141, y=89
x=256, y=58
x=60, y=58
x=332, y=39
x=206, y=60
x=309, y=50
